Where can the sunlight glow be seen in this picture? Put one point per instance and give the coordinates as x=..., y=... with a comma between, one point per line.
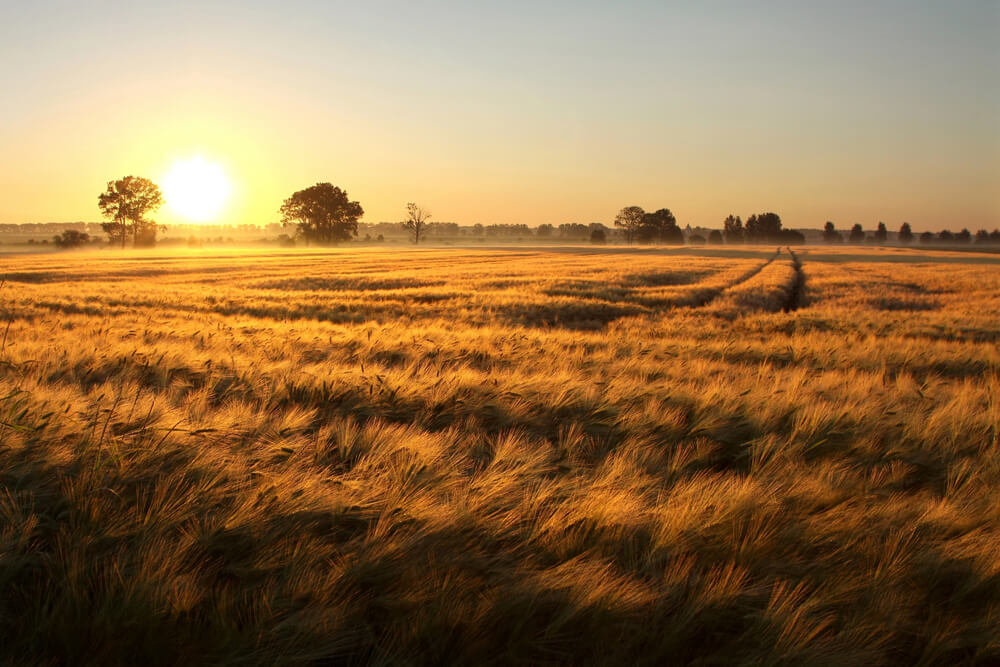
x=196, y=189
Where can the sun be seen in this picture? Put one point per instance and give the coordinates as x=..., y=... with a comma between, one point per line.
x=196, y=189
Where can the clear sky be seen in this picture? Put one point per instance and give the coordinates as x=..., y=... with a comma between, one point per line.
x=516, y=111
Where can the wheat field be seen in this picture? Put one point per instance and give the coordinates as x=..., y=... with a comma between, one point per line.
x=494, y=456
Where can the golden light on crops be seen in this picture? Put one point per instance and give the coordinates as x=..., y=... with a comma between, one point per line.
x=196, y=189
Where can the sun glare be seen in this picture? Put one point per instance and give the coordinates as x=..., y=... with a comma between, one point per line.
x=196, y=189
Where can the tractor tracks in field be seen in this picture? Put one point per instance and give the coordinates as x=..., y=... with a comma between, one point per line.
x=795, y=295
x=710, y=295
x=795, y=290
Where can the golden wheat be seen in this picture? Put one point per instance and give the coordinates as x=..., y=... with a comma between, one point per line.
x=476, y=456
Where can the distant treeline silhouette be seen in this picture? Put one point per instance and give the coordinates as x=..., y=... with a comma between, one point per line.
x=323, y=214
x=762, y=228
x=661, y=227
x=858, y=236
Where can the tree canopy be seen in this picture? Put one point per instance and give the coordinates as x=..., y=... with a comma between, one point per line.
x=630, y=220
x=732, y=229
x=857, y=234
x=905, y=233
x=830, y=233
x=126, y=203
x=881, y=233
x=764, y=227
x=660, y=227
x=323, y=214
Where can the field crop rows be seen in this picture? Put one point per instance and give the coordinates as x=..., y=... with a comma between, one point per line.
x=476, y=456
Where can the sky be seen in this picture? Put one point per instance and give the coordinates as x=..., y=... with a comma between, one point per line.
x=513, y=112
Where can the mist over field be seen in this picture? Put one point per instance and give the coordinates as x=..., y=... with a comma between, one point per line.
x=524, y=455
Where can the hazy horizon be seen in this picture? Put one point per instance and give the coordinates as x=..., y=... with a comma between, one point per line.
x=514, y=114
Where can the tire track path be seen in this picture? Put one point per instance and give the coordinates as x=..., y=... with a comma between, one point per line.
x=708, y=295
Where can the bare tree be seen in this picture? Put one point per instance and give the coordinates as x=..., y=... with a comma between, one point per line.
x=417, y=221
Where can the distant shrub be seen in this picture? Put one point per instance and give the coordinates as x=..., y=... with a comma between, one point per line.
x=715, y=237
x=696, y=239
x=71, y=238
x=598, y=237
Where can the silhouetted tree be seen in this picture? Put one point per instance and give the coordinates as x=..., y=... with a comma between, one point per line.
x=964, y=236
x=126, y=203
x=696, y=239
x=661, y=227
x=995, y=236
x=732, y=229
x=905, y=233
x=715, y=237
x=416, y=221
x=71, y=238
x=764, y=227
x=830, y=233
x=630, y=220
x=322, y=213
x=857, y=234
x=598, y=237
x=927, y=237
x=945, y=236
x=545, y=231
x=881, y=233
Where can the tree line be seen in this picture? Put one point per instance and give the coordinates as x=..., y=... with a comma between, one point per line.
x=324, y=214
x=661, y=226
x=857, y=235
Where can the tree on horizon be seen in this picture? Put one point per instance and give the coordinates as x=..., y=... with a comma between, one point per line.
x=322, y=213
x=905, y=233
x=881, y=233
x=416, y=221
x=830, y=233
x=732, y=229
x=763, y=227
x=857, y=233
x=630, y=220
x=125, y=203
x=660, y=227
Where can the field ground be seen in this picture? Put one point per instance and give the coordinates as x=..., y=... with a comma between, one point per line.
x=490, y=456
